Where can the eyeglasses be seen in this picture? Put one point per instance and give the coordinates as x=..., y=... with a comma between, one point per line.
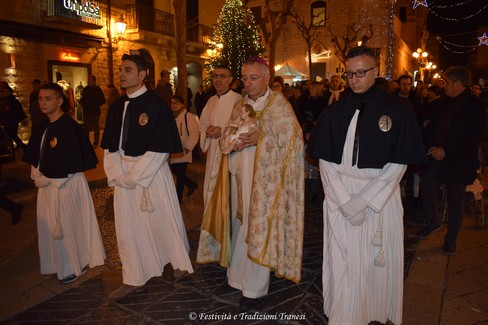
x=252, y=78
x=219, y=76
x=359, y=74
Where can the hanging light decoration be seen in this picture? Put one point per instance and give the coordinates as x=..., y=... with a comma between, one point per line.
x=434, y=9
x=417, y=3
x=483, y=40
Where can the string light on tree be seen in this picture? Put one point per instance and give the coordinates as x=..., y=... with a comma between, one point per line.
x=235, y=38
x=391, y=39
x=417, y=3
x=483, y=40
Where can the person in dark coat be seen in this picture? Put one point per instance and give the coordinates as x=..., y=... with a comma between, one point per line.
x=163, y=88
x=92, y=98
x=11, y=114
x=452, y=138
x=200, y=100
x=37, y=116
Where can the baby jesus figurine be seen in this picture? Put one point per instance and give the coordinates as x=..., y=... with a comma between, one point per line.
x=231, y=136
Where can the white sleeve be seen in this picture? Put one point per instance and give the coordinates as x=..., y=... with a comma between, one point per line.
x=57, y=182
x=203, y=124
x=192, y=139
x=146, y=167
x=334, y=189
x=112, y=166
x=379, y=190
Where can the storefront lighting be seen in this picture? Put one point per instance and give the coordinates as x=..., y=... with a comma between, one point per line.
x=120, y=26
x=68, y=56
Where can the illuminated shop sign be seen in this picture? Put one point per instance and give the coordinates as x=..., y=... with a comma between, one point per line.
x=68, y=56
x=83, y=9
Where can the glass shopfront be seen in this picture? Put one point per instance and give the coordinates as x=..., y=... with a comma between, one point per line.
x=72, y=77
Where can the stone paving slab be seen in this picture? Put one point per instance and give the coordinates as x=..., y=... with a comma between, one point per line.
x=205, y=293
x=438, y=289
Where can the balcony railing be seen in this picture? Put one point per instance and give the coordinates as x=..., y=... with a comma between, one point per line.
x=153, y=20
x=199, y=33
x=149, y=19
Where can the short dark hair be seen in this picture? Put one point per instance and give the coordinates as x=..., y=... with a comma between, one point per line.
x=404, y=76
x=223, y=67
x=178, y=98
x=460, y=73
x=362, y=50
x=92, y=76
x=60, y=92
x=137, y=59
x=163, y=72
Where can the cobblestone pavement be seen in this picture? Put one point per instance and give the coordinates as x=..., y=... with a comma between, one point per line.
x=201, y=298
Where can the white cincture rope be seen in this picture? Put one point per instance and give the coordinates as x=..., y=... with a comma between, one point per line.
x=146, y=204
x=378, y=241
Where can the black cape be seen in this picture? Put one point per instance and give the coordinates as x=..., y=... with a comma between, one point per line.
x=402, y=144
x=152, y=126
x=67, y=149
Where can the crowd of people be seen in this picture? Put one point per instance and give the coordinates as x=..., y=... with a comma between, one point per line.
x=345, y=146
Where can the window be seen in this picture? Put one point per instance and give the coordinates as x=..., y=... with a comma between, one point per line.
x=403, y=14
x=317, y=11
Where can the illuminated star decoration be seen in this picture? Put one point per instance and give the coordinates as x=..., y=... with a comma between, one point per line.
x=417, y=3
x=483, y=40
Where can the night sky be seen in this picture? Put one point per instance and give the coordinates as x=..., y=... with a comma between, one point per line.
x=460, y=28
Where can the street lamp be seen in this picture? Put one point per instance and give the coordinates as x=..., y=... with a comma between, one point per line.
x=421, y=57
x=120, y=26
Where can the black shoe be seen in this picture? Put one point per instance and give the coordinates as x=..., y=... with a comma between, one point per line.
x=168, y=273
x=72, y=277
x=192, y=189
x=17, y=214
x=426, y=232
x=449, y=248
x=68, y=279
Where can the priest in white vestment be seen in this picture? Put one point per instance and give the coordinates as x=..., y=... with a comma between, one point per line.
x=364, y=142
x=214, y=118
x=140, y=134
x=267, y=192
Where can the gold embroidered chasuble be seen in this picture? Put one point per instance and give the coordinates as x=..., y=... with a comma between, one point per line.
x=276, y=212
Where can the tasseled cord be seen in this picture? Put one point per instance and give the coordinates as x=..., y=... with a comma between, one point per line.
x=57, y=233
x=146, y=204
x=378, y=241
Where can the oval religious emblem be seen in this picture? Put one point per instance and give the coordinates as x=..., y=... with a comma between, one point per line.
x=385, y=123
x=143, y=119
x=53, y=143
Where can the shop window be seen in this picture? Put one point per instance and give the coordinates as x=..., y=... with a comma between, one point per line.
x=72, y=77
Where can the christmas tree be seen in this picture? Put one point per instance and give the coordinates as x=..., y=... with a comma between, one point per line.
x=235, y=38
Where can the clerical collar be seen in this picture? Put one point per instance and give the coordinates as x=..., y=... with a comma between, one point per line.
x=138, y=92
x=228, y=89
x=263, y=96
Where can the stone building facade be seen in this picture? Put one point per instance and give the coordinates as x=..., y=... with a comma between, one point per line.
x=52, y=40
x=396, y=27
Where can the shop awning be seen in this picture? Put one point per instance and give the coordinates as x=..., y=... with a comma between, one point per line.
x=286, y=71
